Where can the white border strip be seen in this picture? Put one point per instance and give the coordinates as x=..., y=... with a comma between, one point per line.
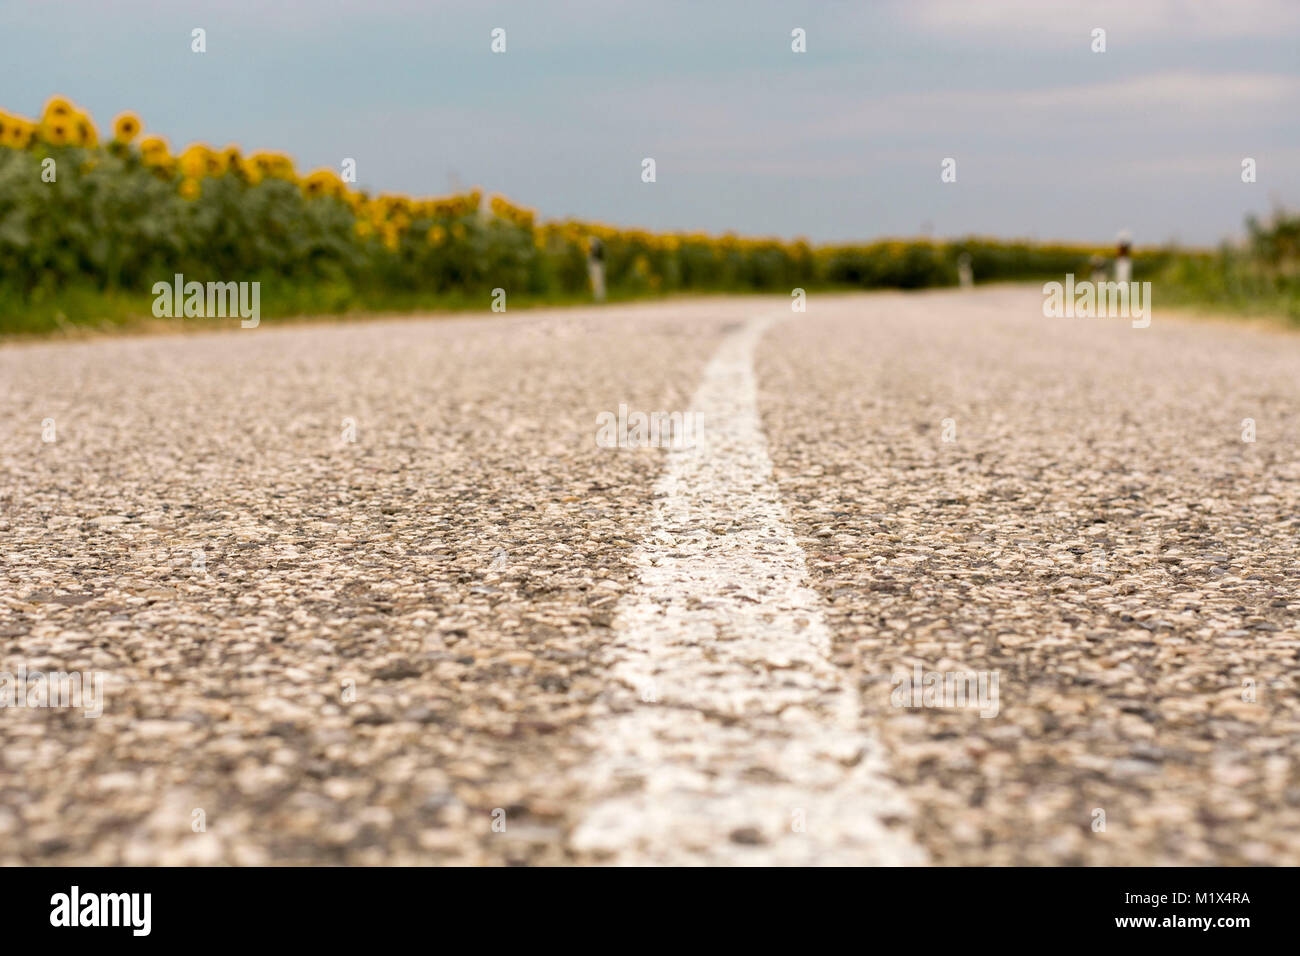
x=749, y=749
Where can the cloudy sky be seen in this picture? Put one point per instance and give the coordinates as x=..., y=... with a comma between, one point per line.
x=842, y=142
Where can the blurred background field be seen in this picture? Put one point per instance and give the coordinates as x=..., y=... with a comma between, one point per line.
x=125, y=211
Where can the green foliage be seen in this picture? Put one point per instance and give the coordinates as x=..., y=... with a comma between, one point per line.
x=1260, y=278
x=87, y=249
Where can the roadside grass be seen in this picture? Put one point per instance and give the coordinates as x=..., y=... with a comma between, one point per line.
x=1192, y=286
x=1231, y=288
x=82, y=312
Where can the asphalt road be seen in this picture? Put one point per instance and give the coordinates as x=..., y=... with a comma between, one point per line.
x=375, y=592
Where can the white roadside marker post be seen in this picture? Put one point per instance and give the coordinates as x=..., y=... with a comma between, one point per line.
x=1123, y=265
x=596, y=268
x=965, y=272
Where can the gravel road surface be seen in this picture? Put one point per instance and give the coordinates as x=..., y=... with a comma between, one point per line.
x=375, y=593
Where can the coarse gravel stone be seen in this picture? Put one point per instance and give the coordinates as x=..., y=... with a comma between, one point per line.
x=365, y=652
x=385, y=640
x=1097, y=533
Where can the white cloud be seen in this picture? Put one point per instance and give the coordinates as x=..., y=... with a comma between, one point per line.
x=1123, y=20
x=1156, y=103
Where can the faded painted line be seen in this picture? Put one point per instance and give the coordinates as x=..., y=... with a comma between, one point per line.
x=728, y=737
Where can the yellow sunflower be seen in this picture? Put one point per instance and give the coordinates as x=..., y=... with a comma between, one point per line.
x=190, y=189
x=231, y=160
x=194, y=161
x=126, y=127
x=20, y=133
x=217, y=164
x=274, y=164
x=87, y=135
x=323, y=182
x=56, y=108
x=58, y=131
x=154, y=151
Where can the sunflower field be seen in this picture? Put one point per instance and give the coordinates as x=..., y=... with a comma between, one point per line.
x=118, y=210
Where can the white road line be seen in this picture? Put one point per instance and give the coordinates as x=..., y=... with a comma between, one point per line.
x=751, y=730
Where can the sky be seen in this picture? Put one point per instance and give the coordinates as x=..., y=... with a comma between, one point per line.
x=842, y=142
